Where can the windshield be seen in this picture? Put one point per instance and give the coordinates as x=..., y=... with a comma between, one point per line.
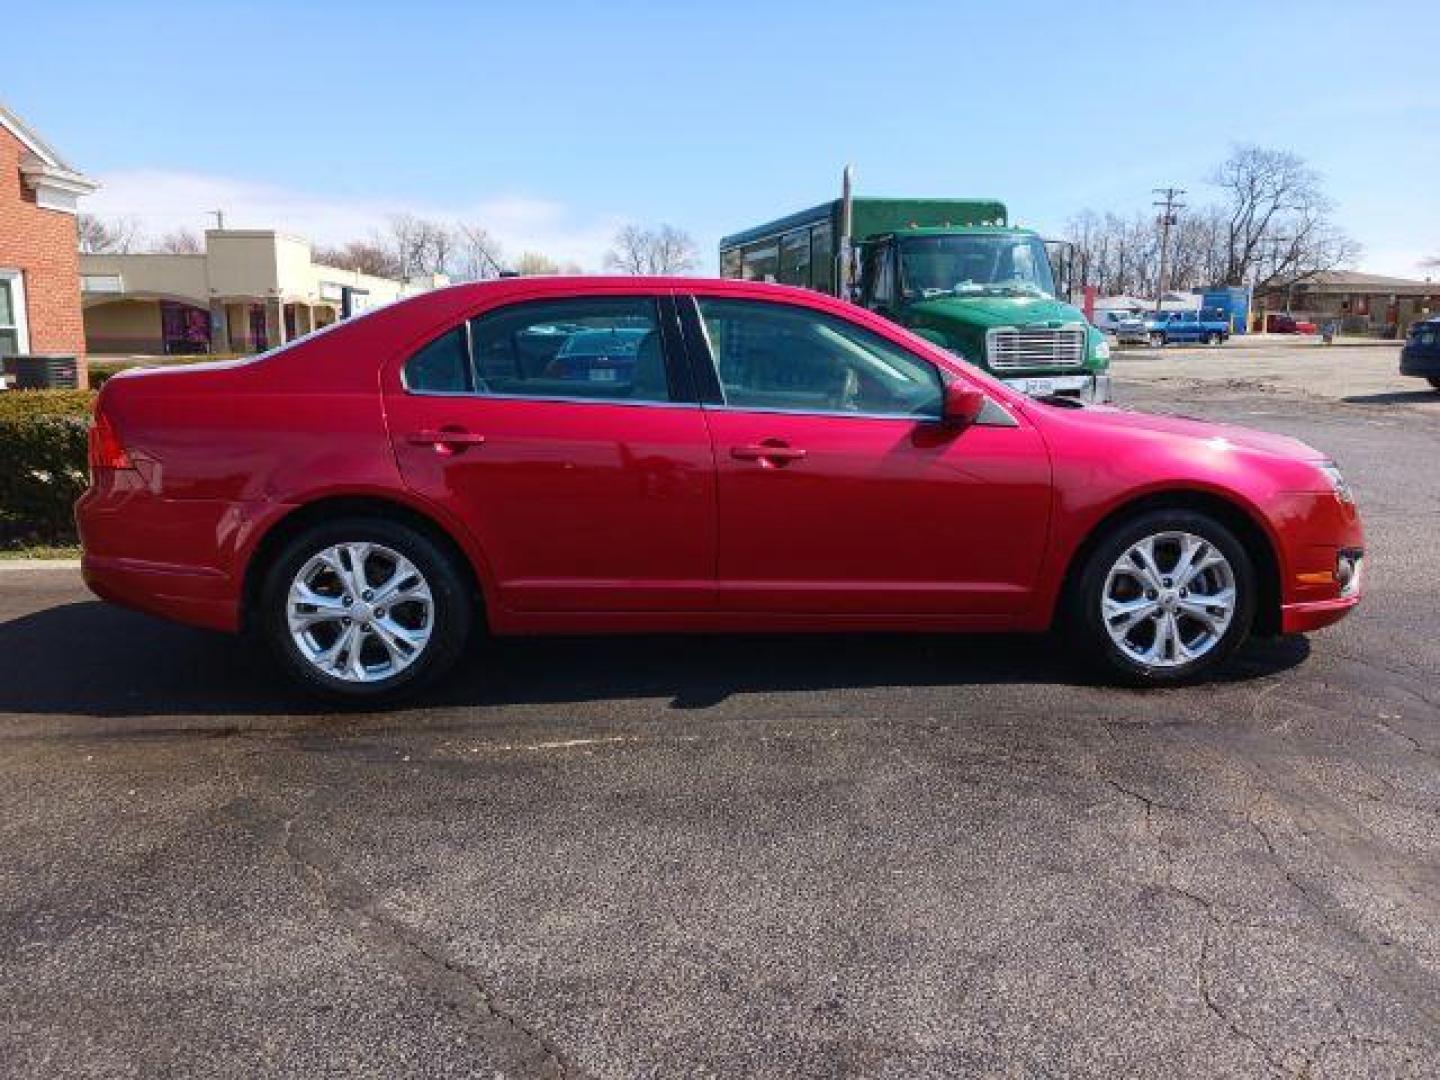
x=1005, y=265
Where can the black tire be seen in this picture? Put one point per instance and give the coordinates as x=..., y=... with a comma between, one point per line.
x=1157, y=338
x=1212, y=338
x=1434, y=383
x=1085, y=624
x=452, y=613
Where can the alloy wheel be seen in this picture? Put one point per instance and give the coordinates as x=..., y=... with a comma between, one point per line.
x=360, y=612
x=1169, y=599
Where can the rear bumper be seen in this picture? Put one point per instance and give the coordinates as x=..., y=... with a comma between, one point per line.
x=178, y=559
x=197, y=596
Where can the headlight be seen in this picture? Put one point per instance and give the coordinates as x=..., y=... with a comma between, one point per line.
x=1102, y=349
x=1337, y=481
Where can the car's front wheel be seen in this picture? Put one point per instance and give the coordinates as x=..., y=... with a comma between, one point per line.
x=1157, y=338
x=362, y=609
x=1164, y=598
x=1212, y=338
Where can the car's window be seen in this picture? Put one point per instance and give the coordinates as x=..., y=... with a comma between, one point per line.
x=773, y=356
x=607, y=348
x=441, y=367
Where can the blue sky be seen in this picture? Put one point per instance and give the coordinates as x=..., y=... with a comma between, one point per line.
x=553, y=122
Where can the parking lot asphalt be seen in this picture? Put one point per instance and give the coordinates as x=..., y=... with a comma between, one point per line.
x=864, y=855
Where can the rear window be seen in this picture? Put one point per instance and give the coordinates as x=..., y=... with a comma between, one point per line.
x=442, y=367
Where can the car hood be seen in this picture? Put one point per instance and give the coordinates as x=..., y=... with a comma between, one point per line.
x=991, y=311
x=1264, y=442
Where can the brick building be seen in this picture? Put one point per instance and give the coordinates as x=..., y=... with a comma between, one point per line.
x=39, y=261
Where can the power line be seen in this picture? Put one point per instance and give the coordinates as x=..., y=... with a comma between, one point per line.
x=1167, y=218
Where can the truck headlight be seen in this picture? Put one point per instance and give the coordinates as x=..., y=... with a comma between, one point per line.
x=1102, y=349
x=1337, y=481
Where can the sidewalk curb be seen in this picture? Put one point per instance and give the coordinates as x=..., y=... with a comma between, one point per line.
x=39, y=564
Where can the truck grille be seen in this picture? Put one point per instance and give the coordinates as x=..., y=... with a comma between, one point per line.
x=1039, y=347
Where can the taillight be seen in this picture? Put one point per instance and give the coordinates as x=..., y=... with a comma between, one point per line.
x=106, y=450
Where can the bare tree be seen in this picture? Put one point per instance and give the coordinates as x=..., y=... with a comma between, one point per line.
x=532, y=264
x=105, y=236
x=1272, y=226
x=181, y=241
x=1277, y=225
x=662, y=250
x=477, y=254
x=361, y=256
x=420, y=247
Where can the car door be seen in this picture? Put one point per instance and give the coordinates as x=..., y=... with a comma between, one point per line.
x=840, y=493
x=563, y=432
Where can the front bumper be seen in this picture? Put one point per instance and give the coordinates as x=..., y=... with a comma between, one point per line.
x=1315, y=615
x=1087, y=387
x=1421, y=362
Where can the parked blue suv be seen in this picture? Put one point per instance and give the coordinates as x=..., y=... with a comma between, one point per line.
x=1421, y=355
x=1163, y=327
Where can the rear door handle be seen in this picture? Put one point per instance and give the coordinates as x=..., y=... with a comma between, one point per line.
x=767, y=452
x=445, y=440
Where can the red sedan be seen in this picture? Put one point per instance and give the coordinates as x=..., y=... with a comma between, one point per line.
x=766, y=459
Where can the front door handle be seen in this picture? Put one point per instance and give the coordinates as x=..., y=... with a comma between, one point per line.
x=447, y=440
x=771, y=452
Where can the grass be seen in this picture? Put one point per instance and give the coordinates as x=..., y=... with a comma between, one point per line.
x=41, y=551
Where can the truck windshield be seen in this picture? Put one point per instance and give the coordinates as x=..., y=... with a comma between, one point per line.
x=974, y=266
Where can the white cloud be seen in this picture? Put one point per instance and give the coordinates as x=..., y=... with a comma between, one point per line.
x=162, y=200
x=1398, y=262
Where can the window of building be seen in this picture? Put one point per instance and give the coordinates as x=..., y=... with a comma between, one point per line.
x=607, y=348
x=731, y=263
x=13, y=337
x=770, y=356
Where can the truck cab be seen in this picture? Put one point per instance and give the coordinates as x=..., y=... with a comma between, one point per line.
x=955, y=271
x=988, y=294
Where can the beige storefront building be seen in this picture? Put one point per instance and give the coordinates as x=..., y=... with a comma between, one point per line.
x=250, y=290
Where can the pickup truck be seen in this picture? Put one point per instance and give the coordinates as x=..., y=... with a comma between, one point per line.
x=1163, y=327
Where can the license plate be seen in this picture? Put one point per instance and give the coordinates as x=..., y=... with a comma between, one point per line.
x=602, y=374
x=1039, y=387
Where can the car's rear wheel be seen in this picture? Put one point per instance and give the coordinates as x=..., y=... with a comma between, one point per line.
x=1157, y=338
x=1164, y=598
x=363, y=609
x=1434, y=383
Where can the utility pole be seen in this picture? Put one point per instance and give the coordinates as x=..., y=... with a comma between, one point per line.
x=1167, y=218
x=219, y=219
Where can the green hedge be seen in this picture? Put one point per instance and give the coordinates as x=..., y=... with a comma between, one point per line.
x=43, y=466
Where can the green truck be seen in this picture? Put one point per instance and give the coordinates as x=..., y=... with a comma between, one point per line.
x=954, y=271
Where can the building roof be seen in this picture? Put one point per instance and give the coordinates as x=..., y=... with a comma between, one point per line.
x=1348, y=281
x=56, y=182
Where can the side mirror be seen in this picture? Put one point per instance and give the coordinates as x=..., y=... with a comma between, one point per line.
x=962, y=405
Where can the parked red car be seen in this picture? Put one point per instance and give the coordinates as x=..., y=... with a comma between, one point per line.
x=1281, y=323
x=772, y=459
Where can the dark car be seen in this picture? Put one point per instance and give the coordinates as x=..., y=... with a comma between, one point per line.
x=1283, y=323
x=1421, y=355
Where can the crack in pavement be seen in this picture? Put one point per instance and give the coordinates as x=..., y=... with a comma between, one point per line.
x=343, y=895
